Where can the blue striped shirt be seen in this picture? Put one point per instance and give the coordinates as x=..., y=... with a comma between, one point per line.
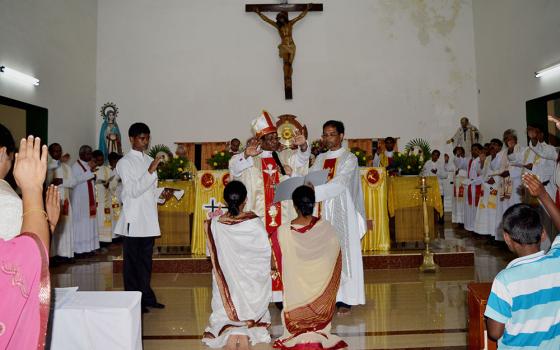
x=526, y=298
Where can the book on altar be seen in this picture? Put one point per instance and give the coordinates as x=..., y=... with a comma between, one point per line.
x=285, y=188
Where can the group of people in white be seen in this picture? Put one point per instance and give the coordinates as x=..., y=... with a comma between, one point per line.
x=90, y=200
x=487, y=177
x=304, y=254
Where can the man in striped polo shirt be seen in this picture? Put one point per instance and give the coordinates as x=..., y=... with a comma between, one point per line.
x=523, y=309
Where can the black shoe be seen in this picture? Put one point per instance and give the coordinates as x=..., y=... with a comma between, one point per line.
x=157, y=306
x=145, y=310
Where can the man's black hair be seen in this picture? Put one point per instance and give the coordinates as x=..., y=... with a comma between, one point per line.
x=137, y=129
x=523, y=224
x=338, y=125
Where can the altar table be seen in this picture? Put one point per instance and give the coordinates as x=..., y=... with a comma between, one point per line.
x=209, y=201
x=175, y=215
x=98, y=320
x=405, y=204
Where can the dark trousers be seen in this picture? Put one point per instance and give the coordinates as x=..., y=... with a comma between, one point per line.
x=137, y=267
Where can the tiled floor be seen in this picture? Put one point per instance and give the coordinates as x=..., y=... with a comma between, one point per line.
x=405, y=309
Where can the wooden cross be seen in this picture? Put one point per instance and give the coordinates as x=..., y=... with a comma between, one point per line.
x=287, y=47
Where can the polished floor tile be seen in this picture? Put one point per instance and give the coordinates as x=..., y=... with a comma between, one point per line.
x=405, y=309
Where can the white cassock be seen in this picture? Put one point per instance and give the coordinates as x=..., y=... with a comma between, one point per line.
x=62, y=239
x=342, y=204
x=458, y=195
x=472, y=187
x=241, y=283
x=11, y=210
x=485, y=220
x=260, y=175
x=104, y=203
x=84, y=218
x=441, y=173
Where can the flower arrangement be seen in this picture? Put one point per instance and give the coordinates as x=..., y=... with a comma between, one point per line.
x=317, y=147
x=363, y=157
x=412, y=160
x=219, y=160
x=172, y=167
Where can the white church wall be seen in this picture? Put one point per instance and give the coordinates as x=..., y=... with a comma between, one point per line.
x=200, y=70
x=55, y=41
x=513, y=39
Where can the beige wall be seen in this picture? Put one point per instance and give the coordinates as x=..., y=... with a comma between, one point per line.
x=55, y=41
x=513, y=39
x=201, y=70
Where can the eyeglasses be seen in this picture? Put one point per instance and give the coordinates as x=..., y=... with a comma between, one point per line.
x=330, y=135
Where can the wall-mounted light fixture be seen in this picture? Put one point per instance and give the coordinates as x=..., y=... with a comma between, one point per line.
x=547, y=71
x=13, y=74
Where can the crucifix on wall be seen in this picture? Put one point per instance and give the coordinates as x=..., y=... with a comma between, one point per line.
x=284, y=25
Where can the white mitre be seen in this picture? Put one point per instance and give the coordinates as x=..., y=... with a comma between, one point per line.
x=263, y=125
x=10, y=212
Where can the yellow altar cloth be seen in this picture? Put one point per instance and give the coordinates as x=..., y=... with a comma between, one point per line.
x=209, y=198
x=405, y=204
x=374, y=186
x=174, y=221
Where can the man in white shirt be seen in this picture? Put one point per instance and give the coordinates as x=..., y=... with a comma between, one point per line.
x=138, y=223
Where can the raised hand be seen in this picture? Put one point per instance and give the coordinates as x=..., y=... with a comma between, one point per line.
x=155, y=163
x=5, y=162
x=288, y=170
x=30, y=167
x=52, y=204
x=533, y=184
x=252, y=148
x=299, y=138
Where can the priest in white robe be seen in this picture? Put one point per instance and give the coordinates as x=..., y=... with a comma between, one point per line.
x=342, y=204
x=84, y=208
x=60, y=174
x=485, y=221
x=260, y=168
x=472, y=185
x=465, y=136
x=459, y=177
x=103, y=179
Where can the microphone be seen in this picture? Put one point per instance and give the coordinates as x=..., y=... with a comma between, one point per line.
x=277, y=160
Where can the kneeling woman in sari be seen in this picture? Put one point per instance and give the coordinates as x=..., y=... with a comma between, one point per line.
x=241, y=283
x=311, y=270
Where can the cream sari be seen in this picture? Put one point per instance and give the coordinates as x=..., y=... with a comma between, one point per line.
x=311, y=270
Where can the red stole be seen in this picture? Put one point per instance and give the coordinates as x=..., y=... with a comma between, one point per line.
x=271, y=178
x=477, y=189
x=330, y=165
x=91, y=194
